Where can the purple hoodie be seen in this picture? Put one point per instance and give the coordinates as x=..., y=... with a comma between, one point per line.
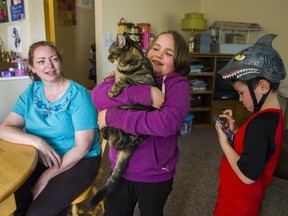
x=155, y=158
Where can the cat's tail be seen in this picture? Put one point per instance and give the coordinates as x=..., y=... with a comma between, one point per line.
x=115, y=177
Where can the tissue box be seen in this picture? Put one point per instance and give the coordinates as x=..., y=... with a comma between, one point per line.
x=187, y=126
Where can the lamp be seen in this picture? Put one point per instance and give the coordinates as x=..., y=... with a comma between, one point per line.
x=192, y=22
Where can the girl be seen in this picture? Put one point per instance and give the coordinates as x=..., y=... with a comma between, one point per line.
x=148, y=179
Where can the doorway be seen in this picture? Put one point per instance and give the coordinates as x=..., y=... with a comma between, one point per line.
x=73, y=41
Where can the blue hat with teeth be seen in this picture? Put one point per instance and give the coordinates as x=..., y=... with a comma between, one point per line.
x=258, y=60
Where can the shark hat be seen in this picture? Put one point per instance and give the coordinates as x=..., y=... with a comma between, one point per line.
x=258, y=60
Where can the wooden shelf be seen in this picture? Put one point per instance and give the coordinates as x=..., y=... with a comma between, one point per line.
x=200, y=109
x=193, y=74
x=4, y=66
x=201, y=91
x=202, y=115
x=211, y=55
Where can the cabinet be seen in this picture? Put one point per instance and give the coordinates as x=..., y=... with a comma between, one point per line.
x=203, y=104
x=5, y=66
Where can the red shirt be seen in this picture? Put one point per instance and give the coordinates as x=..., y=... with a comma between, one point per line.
x=235, y=197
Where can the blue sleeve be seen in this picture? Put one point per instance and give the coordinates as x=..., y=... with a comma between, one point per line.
x=84, y=115
x=20, y=104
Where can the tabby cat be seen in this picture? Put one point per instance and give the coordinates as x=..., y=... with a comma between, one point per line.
x=133, y=68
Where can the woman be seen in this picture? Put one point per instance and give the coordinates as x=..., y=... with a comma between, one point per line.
x=57, y=117
x=148, y=179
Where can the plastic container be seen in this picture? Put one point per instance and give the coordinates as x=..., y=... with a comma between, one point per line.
x=144, y=27
x=145, y=40
x=187, y=126
x=7, y=73
x=21, y=67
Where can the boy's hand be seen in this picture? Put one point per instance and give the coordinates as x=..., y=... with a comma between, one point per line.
x=231, y=124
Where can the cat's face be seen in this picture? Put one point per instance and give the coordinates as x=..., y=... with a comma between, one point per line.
x=124, y=51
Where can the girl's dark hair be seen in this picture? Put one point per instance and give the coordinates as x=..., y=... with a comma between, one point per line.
x=32, y=48
x=181, y=51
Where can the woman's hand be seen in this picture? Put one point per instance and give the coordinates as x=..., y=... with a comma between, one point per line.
x=47, y=154
x=101, y=119
x=157, y=97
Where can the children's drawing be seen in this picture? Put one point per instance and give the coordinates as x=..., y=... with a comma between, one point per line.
x=14, y=38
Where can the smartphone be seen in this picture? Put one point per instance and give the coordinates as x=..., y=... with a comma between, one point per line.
x=229, y=134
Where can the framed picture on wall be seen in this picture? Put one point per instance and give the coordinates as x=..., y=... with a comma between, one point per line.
x=67, y=12
x=3, y=11
x=17, y=10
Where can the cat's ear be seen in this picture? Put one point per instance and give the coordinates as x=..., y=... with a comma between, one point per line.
x=121, y=41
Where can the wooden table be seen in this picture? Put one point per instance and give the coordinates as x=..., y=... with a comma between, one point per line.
x=17, y=162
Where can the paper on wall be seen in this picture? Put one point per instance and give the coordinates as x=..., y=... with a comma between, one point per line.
x=14, y=38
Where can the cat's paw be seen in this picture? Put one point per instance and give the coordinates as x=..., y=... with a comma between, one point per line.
x=110, y=74
x=113, y=93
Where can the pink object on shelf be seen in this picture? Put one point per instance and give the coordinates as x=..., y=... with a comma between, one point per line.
x=21, y=67
x=21, y=72
x=145, y=40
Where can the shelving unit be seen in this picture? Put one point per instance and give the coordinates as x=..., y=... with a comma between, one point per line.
x=203, y=111
x=5, y=66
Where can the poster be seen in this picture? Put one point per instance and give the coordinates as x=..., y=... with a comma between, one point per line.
x=87, y=4
x=17, y=10
x=14, y=38
x=66, y=12
x=3, y=11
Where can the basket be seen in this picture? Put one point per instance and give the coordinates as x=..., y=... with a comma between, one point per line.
x=122, y=26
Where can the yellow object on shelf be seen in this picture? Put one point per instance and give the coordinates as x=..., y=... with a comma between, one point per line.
x=122, y=26
x=193, y=21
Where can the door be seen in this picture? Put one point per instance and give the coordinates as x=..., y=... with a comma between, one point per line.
x=49, y=20
x=73, y=41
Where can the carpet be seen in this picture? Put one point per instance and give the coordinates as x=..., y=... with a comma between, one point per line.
x=196, y=179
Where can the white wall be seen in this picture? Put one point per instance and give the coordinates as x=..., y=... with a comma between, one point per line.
x=10, y=89
x=161, y=14
x=32, y=27
x=166, y=14
x=271, y=15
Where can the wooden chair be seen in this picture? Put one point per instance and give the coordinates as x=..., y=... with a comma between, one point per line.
x=75, y=209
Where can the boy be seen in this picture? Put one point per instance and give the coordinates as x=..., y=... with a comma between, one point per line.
x=247, y=166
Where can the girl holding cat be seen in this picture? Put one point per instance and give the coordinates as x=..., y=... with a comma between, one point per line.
x=148, y=179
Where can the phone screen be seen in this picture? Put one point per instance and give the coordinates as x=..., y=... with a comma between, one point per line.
x=229, y=134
